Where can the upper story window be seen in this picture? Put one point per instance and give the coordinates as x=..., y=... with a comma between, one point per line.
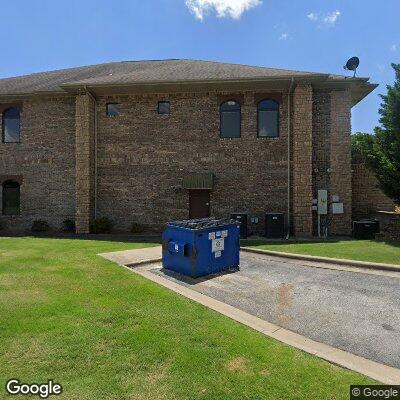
x=11, y=198
x=11, y=125
x=164, y=107
x=230, y=119
x=268, y=118
x=112, y=109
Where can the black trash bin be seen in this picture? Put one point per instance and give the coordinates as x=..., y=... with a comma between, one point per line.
x=242, y=218
x=274, y=225
x=365, y=229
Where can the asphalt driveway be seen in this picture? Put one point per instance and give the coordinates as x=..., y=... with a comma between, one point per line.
x=355, y=312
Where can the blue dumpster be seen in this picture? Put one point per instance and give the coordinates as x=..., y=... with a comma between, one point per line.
x=201, y=247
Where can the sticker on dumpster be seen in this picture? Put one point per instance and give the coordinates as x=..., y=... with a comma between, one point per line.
x=176, y=247
x=218, y=234
x=218, y=254
x=217, y=245
x=211, y=236
x=224, y=234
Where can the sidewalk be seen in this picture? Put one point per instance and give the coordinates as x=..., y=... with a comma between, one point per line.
x=134, y=257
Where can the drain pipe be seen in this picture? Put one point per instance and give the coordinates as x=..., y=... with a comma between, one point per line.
x=95, y=152
x=288, y=156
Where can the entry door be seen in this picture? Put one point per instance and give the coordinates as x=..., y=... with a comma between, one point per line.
x=199, y=204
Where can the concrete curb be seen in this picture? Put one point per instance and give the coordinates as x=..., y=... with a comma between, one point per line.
x=337, y=261
x=380, y=372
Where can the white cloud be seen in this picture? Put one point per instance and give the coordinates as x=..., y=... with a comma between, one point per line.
x=284, y=36
x=222, y=8
x=328, y=19
x=332, y=17
x=393, y=48
x=312, y=17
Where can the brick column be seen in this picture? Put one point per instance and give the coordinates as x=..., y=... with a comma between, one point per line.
x=302, y=160
x=340, y=159
x=84, y=156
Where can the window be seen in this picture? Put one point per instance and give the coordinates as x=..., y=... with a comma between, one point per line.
x=11, y=125
x=164, y=107
x=230, y=119
x=11, y=198
x=268, y=118
x=112, y=109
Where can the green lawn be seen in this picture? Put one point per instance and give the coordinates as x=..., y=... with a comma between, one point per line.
x=105, y=333
x=362, y=250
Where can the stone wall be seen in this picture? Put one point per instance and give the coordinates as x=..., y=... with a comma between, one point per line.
x=302, y=160
x=85, y=162
x=367, y=197
x=321, y=148
x=143, y=158
x=340, y=160
x=331, y=152
x=44, y=160
x=389, y=225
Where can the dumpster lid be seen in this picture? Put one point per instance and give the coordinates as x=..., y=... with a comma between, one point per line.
x=203, y=223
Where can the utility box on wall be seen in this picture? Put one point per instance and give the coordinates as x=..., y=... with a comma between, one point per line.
x=337, y=208
x=322, y=205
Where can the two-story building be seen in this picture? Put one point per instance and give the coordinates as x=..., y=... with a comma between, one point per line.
x=152, y=141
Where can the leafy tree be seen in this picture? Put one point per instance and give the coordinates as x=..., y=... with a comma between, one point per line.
x=382, y=150
x=361, y=145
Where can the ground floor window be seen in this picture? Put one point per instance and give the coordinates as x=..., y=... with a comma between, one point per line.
x=11, y=198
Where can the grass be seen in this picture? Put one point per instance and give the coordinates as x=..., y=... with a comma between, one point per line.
x=106, y=333
x=362, y=250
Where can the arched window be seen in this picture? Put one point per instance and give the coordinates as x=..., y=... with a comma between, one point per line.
x=268, y=118
x=230, y=119
x=11, y=198
x=11, y=125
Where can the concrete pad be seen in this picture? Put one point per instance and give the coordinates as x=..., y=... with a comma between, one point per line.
x=135, y=256
x=145, y=261
x=380, y=372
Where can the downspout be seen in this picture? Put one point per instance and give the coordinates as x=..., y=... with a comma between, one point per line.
x=95, y=152
x=288, y=156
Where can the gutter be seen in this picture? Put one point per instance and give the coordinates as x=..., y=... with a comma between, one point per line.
x=288, y=156
x=95, y=152
x=307, y=77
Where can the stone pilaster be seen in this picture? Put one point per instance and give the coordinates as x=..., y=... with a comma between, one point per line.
x=340, y=160
x=84, y=155
x=302, y=160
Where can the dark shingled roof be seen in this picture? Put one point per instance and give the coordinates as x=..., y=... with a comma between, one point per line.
x=128, y=72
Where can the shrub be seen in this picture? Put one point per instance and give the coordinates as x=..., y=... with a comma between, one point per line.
x=40, y=226
x=137, y=228
x=100, y=225
x=69, y=225
x=2, y=225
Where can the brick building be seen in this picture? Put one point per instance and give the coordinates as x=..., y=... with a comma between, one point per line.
x=153, y=141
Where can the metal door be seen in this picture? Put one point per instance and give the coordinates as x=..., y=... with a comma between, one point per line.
x=199, y=203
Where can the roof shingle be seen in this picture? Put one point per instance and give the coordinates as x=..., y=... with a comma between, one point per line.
x=127, y=72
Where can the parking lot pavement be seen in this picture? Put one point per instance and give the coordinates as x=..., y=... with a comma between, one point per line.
x=354, y=311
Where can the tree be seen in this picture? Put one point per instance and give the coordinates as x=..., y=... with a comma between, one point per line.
x=382, y=151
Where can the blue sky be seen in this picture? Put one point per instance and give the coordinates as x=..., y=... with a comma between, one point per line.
x=310, y=35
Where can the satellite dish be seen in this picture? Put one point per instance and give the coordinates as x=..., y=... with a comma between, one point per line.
x=352, y=64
